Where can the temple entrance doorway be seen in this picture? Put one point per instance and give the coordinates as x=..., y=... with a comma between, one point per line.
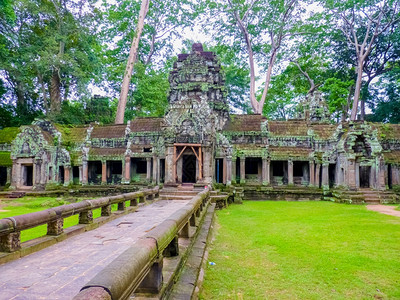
x=27, y=175
x=219, y=170
x=3, y=176
x=187, y=163
x=365, y=172
x=61, y=174
x=390, y=180
x=189, y=168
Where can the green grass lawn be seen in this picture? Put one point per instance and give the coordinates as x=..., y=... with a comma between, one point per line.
x=27, y=205
x=303, y=250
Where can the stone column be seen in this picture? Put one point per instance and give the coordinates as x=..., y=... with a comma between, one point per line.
x=351, y=173
x=312, y=173
x=228, y=170
x=148, y=173
x=85, y=172
x=233, y=178
x=317, y=174
x=169, y=166
x=127, y=173
x=290, y=171
x=265, y=171
x=224, y=170
x=9, y=177
x=208, y=163
x=37, y=171
x=381, y=177
x=67, y=172
x=325, y=175
x=242, y=170
x=103, y=172
x=395, y=175
x=155, y=170
x=81, y=174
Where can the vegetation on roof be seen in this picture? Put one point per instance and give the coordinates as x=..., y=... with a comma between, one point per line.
x=71, y=135
x=8, y=134
x=5, y=159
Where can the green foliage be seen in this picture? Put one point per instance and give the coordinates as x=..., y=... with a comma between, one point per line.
x=7, y=135
x=309, y=250
x=5, y=159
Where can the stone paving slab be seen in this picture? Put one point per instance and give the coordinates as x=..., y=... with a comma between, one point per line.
x=59, y=271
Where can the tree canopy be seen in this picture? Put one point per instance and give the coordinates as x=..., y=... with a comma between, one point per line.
x=66, y=59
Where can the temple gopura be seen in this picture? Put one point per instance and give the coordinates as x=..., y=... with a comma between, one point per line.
x=199, y=141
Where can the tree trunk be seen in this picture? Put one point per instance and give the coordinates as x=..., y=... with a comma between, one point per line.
x=357, y=90
x=260, y=104
x=55, y=93
x=21, y=104
x=42, y=84
x=119, y=119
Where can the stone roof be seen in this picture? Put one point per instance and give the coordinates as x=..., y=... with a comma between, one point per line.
x=72, y=134
x=146, y=124
x=286, y=152
x=106, y=151
x=392, y=157
x=387, y=131
x=288, y=128
x=323, y=131
x=244, y=123
x=108, y=131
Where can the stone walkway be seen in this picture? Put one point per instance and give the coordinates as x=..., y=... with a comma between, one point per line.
x=385, y=209
x=59, y=271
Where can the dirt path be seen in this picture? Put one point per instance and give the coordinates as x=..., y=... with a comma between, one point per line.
x=384, y=209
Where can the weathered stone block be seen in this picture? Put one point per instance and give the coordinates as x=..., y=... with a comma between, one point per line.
x=152, y=283
x=172, y=249
x=86, y=217
x=106, y=211
x=10, y=242
x=55, y=227
x=121, y=205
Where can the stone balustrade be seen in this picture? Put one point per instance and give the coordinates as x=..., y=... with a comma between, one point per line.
x=11, y=227
x=139, y=268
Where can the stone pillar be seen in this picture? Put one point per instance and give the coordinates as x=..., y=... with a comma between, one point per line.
x=172, y=249
x=228, y=170
x=80, y=174
x=85, y=172
x=233, y=178
x=55, y=227
x=351, y=173
x=242, y=170
x=317, y=174
x=103, y=172
x=208, y=163
x=265, y=171
x=153, y=281
x=381, y=177
x=155, y=169
x=67, y=174
x=148, y=173
x=169, y=165
x=224, y=171
x=290, y=172
x=9, y=177
x=37, y=172
x=127, y=173
x=325, y=176
x=395, y=175
x=312, y=173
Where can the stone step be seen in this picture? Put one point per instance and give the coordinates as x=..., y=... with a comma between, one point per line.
x=178, y=193
x=174, y=197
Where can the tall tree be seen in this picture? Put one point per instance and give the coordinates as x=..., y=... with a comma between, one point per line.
x=119, y=118
x=264, y=28
x=362, y=23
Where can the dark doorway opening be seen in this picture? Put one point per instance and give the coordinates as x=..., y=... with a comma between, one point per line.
x=114, y=172
x=3, y=176
x=219, y=169
x=390, y=179
x=238, y=170
x=332, y=175
x=365, y=172
x=75, y=175
x=277, y=168
x=61, y=175
x=95, y=169
x=189, y=168
x=28, y=175
x=162, y=170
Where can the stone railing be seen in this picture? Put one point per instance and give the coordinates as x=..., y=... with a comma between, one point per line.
x=139, y=268
x=10, y=228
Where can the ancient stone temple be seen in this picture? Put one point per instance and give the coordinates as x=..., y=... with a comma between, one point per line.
x=199, y=141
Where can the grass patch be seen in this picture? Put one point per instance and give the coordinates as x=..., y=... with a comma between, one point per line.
x=26, y=205
x=307, y=250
